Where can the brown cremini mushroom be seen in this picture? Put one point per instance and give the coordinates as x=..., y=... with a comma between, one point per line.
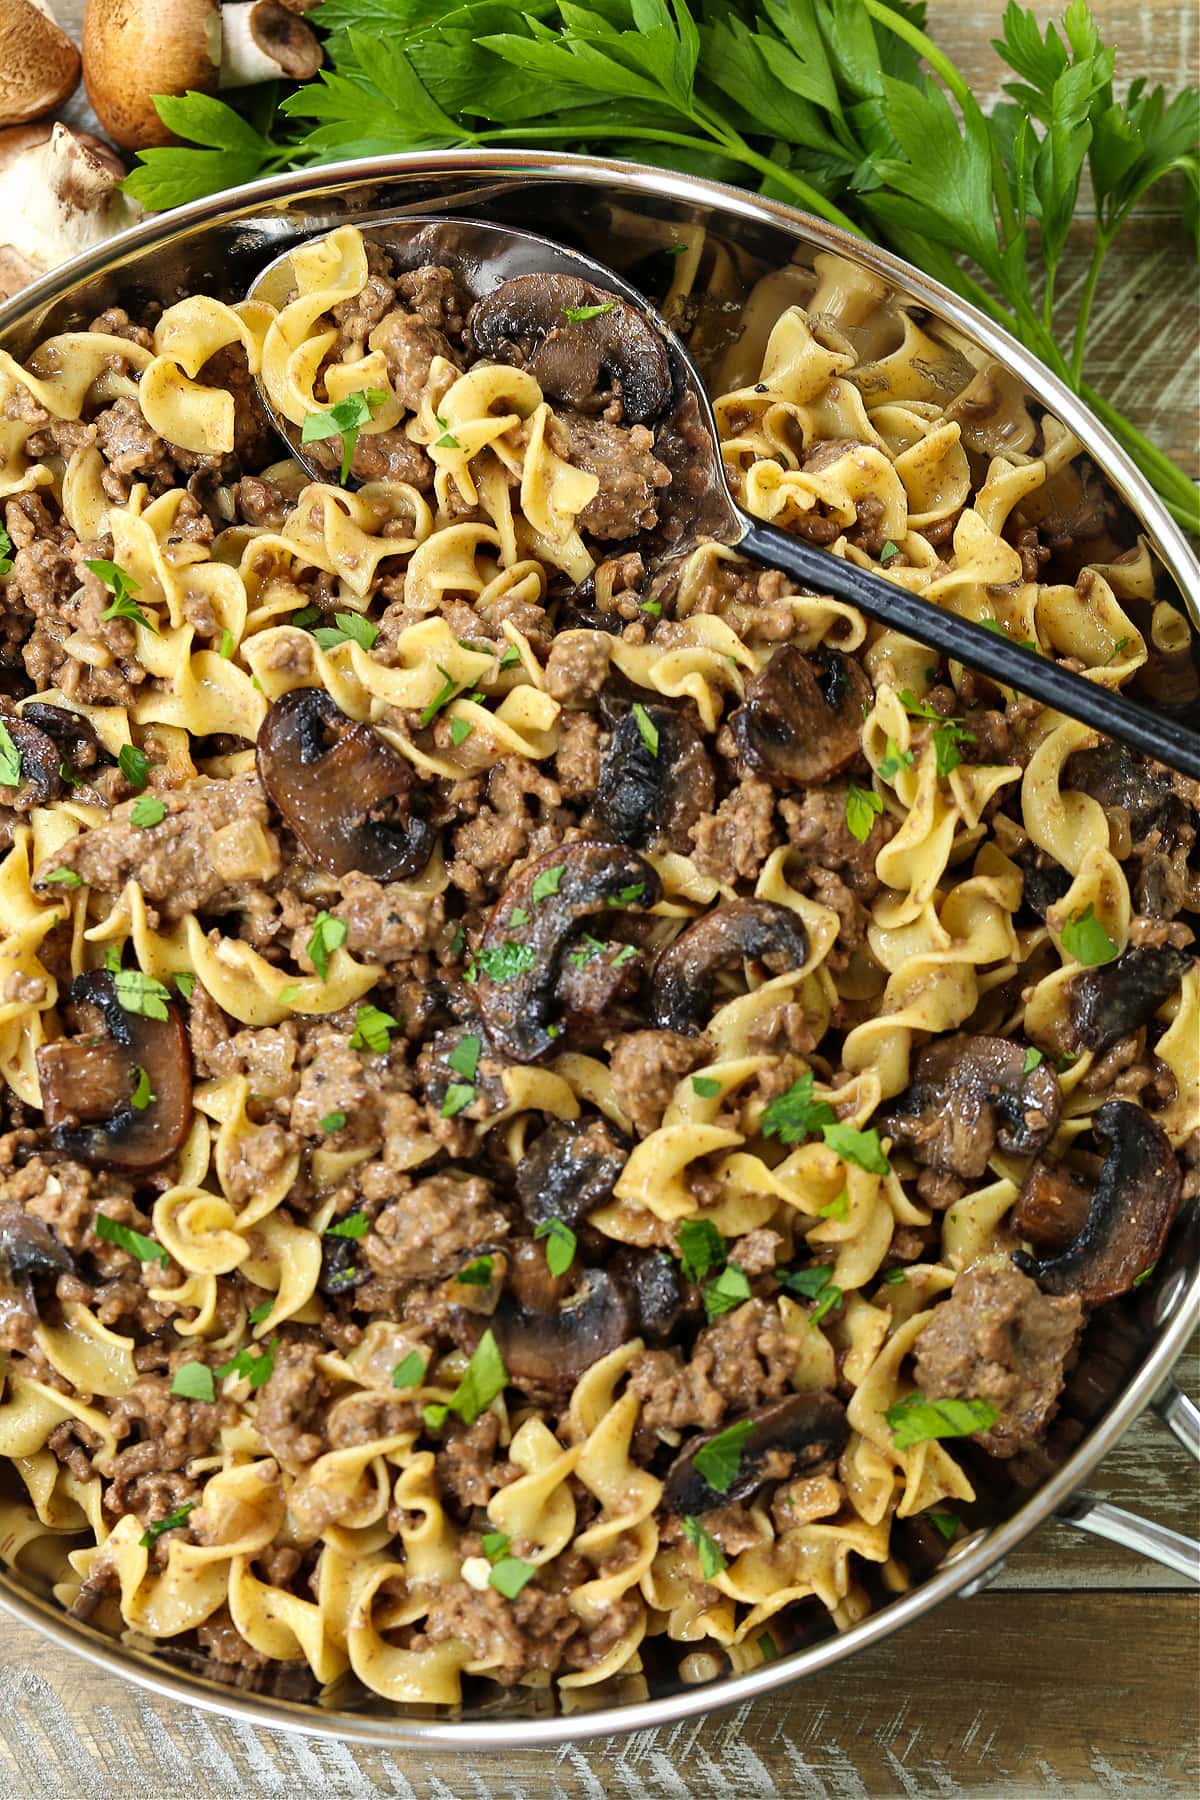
x=89, y=1083
x=569, y=1171
x=1108, y=1002
x=135, y=49
x=60, y=194
x=799, y=724
x=41, y=765
x=652, y=798
x=754, y=931
x=341, y=789
x=1133, y=1204
x=31, y=1261
x=969, y=1093
x=546, y=1352
x=609, y=351
x=39, y=65
x=1052, y=1206
x=541, y=919
x=785, y=1438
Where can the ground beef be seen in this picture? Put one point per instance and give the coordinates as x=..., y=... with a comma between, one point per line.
x=292, y=1405
x=432, y=1228
x=468, y=1469
x=166, y=1434
x=817, y=831
x=577, y=762
x=410, y=346
x=623, y=458
x=999, y=1338
x=733, y=843
x=385, y=923
x=577, y=667
x=199, y=858
x=512, y=1637
x=646, y=1067
x=738, y=1362
x=220, y=1639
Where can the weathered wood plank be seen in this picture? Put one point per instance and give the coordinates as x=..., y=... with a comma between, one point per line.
x=1007, y=1695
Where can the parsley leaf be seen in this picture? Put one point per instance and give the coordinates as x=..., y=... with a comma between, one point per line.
x=727, y=1291
x=185, y=981
x=485, y=1378
x=409, y=1371
x=147, y=811
x=706, y=1086
x=560, y=1244
x=1084, y=938
x=460, y=731
x=444, y=694
x=10, y=759
x=354, y=1225
x=142, y=994
x=945, y=1522
x=547, y=883
x=510, y=1575
x=194, y=1381
x=141, y=1098
x=862, y=807
x=947, y=738
x=6, y=549
x=328, y=934
x=447, y=441
x=719, y=1461
x=371, y=1029
x=122, y=587
x=459, y=1095
x=477, y=1273
x=249, y=1367
x=647, y=729
x=125, y=1238
x=504, y=962
x=861, y=1147
x=794, y=1115
x=464, y=1058
x=579, y=314
x=172, y=1522
x=701, y=1248
x=333, y=1121
x=712, y=1560
x=350, y=627
x=915, y=1419
x=235, y=152
x=345, y=420
x=67, y=877
x=838, y=1207
x=1032, y=1059
x=895, y=760
x=808, y=1283
x=262, y=1311
x=888, y=552
x=134, y=765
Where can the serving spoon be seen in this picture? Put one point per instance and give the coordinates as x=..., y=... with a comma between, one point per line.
x=483, y=255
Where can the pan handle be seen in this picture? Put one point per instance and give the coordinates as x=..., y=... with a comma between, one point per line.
x=1170, y=1548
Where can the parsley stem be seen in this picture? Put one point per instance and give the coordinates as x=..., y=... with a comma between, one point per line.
x=1180, y=495
x=1083, y=316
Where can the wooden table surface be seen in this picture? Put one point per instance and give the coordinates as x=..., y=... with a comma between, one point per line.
x=1076, y=1674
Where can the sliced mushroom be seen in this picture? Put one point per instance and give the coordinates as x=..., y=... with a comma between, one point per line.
x=60, y=193
x=754, y=931
x=654, y=1283
x=786, y=1438
x=1120, y=779
x=969, y=1093
x=1045, y=882
x=801, y=720
x=341, y=789
x=570, y=1171
x=88, y=1083
x=41, y=765
x=527, y=321
x=1108, y=1002
x=545, y=1353
x=340, y=1267
x=39, y=65
x=597, y=992
x=78, y=746
x=1051, y=1207
x=1136, y=1197
x=30, y=1254
x=652, y=798
x=520, y=959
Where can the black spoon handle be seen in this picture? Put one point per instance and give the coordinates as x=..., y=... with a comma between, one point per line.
x=986, y=651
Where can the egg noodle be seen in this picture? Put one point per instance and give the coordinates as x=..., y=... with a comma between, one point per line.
x=294, y=1500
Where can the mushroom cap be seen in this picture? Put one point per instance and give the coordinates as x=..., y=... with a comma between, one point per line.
x=1111, y=1000
x=755, y=931
x=134, y=49
x=39, y=65
x=799, y=724
x=652, y=798
x=59, y=194
x=810, y=1427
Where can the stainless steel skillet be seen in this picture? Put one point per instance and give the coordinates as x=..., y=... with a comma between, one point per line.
x=747, y=258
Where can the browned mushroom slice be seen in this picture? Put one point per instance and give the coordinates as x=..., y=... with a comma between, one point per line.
x=650, y=797
x=1135, y=1199
x=88, y=1084
x=546, y=1352
x=785, y=1438
x=754, y=931
x=30, y=1254
x=78, y=746
x=588, y=361
x=801, y=720
x=569, y=1171
x=1051, y=1207
x=1108, y=1002
x=532, y=928
x=1122, y=780
x=969, y=1093
x=654, y=1284
x=341, y=789
x=41, y=765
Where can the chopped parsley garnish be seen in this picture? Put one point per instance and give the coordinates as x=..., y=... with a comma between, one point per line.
x=1119, y=645
x=142, y=994
x=345, y=420
x=125, y=1238
x=946, y=740
x=328, y=934
x=627, y=896
x=560, y=1244
x=586, y=952
x=477, y=1273
x=1033, y=1058
x=647, y=729
x=443, y=696
x=447, y=441
x=349, y=627
x=287, y=996
x=306, y=618
x=262, y=1311
x=226, y=648
x=838, y=1207
x=147, y=811
x=460, y=731
x=914, y=1420
x=495, y=1544
x=511, y=657
x=707, y=1086
x=719, y=1461
x=172, y=1522
x=726, y=1291
x=894, y=1278
x=862, y=807
x=194, y=1381
x=249, y=1367
x=518, y=916
x=919, y=709
x=768, y=1649
x=889, y=552
x=1144, y=1275
x=946, y=1523
x=504, y=962
x=333, y=1121
x=712, y=1560
x=122, y=587
x=409, y=1371
x=10, y=759
x=141, y=1097
x=66, y=877
x=578, y=315
x=354, y=1225
x=997, y=630
x=895, y=760
x=701, y=1248
x=185, y=981
x=459, y=1095
x=1084, y=938
x=653, y=607
x=547, y=883
x=464, y=1058
x=371, y=1029
x=485, y=1378
x=794, y=1115
x=861, y=1147
x=134, y=765
x=6, y=545
x=809, y=1283
x=510, y=1575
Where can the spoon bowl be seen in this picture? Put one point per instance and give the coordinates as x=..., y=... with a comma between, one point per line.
x=484, y=255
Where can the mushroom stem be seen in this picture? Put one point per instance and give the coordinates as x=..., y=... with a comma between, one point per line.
x=262, y=40
x=60, y=193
